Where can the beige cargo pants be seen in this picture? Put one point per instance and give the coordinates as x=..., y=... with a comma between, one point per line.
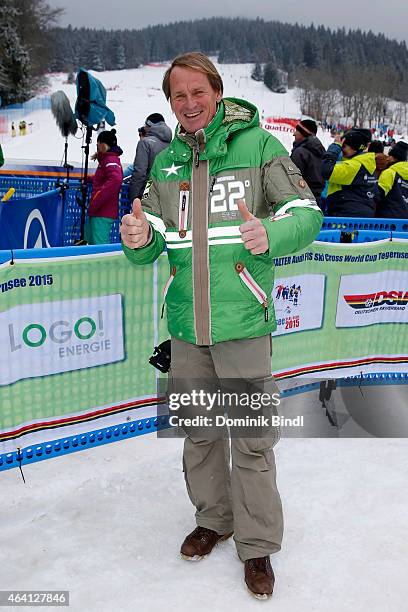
x=232, y=482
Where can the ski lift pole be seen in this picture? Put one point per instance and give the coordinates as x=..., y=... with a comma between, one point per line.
x=84, y=182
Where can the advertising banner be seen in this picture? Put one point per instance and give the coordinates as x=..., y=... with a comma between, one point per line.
x=77, y=331
x=381, y=297
x=36, y=222
x=59, y=336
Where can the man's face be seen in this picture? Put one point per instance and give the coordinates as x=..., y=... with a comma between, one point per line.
x=192, y=98
x=298, y=136
x=347, y=150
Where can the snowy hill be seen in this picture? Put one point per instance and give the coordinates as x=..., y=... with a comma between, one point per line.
x=133, y=95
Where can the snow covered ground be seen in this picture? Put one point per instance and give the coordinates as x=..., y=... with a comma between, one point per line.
x=107, y=525
x=133, y=95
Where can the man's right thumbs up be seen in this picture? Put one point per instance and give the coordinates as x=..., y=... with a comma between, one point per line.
x=135, y=229
x=137, y=209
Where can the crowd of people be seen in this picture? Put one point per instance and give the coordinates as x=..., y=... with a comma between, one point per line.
x=354, y=177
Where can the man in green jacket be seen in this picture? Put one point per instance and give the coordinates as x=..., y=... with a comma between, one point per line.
x=225, y=199
x=1, y=157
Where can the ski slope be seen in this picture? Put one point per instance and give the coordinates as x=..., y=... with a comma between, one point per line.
x=133, y=95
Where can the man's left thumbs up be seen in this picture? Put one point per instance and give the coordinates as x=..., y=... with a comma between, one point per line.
x=253, y=233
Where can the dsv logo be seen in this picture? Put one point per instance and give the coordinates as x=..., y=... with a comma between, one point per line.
x=380, y=298
x=35, y=335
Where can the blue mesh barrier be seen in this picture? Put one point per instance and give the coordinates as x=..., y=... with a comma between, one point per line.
x=358, y=235
x=105, y=435
x=362, y=230
x=28, y=187
x=373, y=224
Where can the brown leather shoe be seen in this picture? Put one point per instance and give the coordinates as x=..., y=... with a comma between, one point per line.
x=259, y=577
x=200, y=542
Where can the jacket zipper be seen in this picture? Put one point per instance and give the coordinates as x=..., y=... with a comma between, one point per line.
x=166, y=288
x=254, y=288
x=184, y=196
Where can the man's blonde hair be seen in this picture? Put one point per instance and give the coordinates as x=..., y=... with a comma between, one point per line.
x=194, y=61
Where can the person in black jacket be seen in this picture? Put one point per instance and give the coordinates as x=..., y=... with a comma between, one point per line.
x=155, y=136
x=307, y=154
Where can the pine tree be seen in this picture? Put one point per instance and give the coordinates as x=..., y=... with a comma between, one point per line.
x=257, y=73
x=120, y=57
x=96, y=58
x=271, y=76
x=15, y=63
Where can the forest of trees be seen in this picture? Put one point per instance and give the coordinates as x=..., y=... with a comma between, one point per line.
x=289, y=47
x=361, y=68
x=25, y=47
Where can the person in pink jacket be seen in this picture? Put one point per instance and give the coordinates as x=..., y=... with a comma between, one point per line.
x=107, y=183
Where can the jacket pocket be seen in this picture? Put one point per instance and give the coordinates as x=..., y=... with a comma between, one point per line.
x=167, y=287
x=253, y=287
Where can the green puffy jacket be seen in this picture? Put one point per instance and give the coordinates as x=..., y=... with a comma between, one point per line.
x=218, y=290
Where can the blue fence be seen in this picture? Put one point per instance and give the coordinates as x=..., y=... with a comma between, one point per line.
x=105, y=435
x=334, y=229
x=358, y=235
x=39, y=103
x=28, y=187
x=373, y=224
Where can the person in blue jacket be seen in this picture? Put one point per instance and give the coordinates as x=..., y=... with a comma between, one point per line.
x=352, y=182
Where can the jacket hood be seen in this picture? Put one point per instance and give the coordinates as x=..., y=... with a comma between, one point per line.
x=367, y=160
x=161, y=131
x=312, y=144
x=402, y=169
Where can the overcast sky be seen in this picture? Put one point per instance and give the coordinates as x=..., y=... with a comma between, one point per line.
x=387, y=16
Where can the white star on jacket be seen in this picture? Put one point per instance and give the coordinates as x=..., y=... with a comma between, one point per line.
x=172, y=170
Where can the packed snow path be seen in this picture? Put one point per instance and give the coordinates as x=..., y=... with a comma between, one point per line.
x=107, y=524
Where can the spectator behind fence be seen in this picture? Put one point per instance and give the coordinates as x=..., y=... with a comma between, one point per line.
x=107, y=182
x=376, y=146
x=155, y=136
x=392, y=197
x=352, y=182
x=307, y=155
x=1, y=157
